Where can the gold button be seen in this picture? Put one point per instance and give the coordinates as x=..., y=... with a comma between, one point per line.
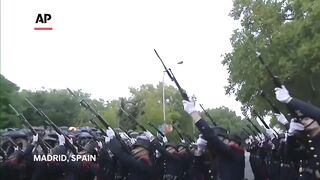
x=310, y=141
x=317, y=163
x=308, y=135
x=315, y=156
x=312, y=148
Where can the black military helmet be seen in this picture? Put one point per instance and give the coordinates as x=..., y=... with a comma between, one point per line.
x=142, y=142
x=84, y=135
x=170, y=145
x=91, y=147
x=181, y=144
x=220, y=131
x=58, y=150
x=236, y=138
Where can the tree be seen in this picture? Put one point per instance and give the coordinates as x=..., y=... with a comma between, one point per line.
x=287, y=35
x=145, y=105
x=8, y=95
x=226, y=118
x=58, y=105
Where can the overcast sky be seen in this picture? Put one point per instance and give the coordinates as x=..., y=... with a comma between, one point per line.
x=104, y=47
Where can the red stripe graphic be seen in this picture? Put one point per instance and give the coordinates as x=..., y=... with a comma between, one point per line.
x=43, y=28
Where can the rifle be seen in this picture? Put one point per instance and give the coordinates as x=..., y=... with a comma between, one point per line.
x=181, y=136
x=274, y=108
x=154, y=127
x=246, y=132
x=21, y=117
x=276, y=83
x=255, y=127
x=187, y=136
x=12, y=142
x=125, y=131
x=133, y=119
x=3, y=153
x=275, y=80
x=254, y=133
x=87, y=106
x=97, y=126
x=172, y=77
x=208, y=115
x=263, y=122
x=55, y=127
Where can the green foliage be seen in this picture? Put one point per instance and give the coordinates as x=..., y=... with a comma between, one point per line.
x=8, y=95
x=144, y=105
x=287, y=34
x=226, y=118
x=58, y=105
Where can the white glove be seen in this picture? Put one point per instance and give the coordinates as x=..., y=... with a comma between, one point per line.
x=123, y=135
x=282, y=94
x=281, y=118
x=35, y=139
x=106, y=139
x=294, y=126
x=149, y=135
x=110, y=133
x=61, y=139
x=133, y=140
x=164, y=139
x=270, y=133
x=188, y=106
x=201, y=143
x=100, y=144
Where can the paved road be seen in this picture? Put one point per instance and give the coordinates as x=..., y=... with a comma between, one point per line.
x=247, y=171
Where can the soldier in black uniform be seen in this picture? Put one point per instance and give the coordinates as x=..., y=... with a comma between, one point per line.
x=310, y=117
x=106, y=164
x=84, y=169
x=139, y=162
x=170, y=160
x=230, y=155
x=51, y=170
x=19, y=164
x=203, y=167
x=186, y=160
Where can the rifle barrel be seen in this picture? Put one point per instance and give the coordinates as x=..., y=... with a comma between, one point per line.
x=208, y=115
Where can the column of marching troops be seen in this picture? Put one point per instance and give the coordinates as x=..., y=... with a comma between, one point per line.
x=294, y=154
